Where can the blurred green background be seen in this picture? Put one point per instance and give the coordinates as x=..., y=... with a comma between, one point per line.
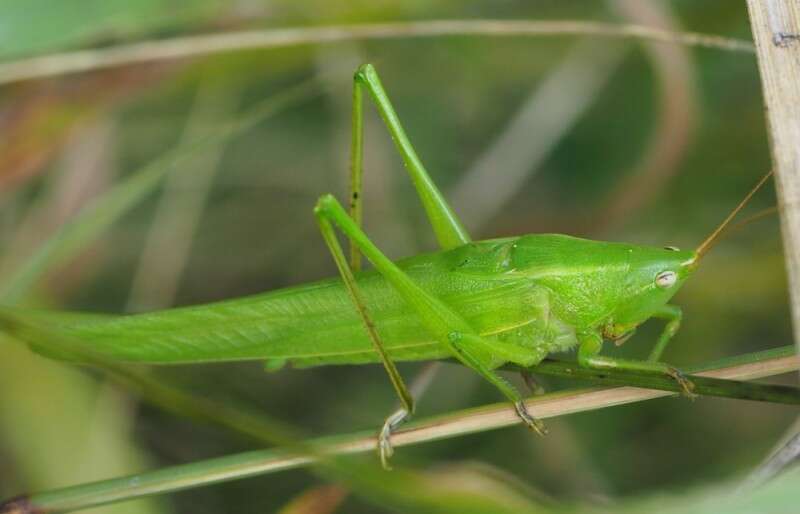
x=623, y=140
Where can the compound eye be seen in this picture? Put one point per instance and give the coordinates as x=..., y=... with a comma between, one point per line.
x=666, y=279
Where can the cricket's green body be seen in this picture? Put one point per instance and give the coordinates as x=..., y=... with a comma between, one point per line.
x=533, y=294
x=483, y=303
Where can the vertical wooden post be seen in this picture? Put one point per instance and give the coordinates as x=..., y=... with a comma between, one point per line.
x=776, y=31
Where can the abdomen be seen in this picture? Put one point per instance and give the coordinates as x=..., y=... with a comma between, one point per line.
x=317, y=323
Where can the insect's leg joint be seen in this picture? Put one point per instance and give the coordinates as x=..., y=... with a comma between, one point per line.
x=324, y=203
x=365, y=72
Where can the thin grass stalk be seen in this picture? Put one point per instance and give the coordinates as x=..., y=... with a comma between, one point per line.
x=208, y=44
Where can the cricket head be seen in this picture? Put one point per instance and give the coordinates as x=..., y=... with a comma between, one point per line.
x=598, y=284
x=655, y=275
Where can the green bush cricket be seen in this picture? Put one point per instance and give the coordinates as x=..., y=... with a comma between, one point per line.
x=485, y=303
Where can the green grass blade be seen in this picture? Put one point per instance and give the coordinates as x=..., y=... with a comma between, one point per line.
x=704, y=386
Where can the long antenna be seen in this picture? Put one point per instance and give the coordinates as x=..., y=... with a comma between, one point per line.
x=763, y=213
x=706, y=245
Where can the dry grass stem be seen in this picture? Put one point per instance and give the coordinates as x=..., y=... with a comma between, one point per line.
x=194, y=46
x=776, y=30
x=500, y=415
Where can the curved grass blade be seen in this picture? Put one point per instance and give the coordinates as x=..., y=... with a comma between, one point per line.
x=99, y=215
x=184, y=47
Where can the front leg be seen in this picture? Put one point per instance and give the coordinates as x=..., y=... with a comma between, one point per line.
x=673, y=315
x=589, y=357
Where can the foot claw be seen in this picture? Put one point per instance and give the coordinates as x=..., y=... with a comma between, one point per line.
x=385, y=448
x=687, y=386
x=533, y=423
